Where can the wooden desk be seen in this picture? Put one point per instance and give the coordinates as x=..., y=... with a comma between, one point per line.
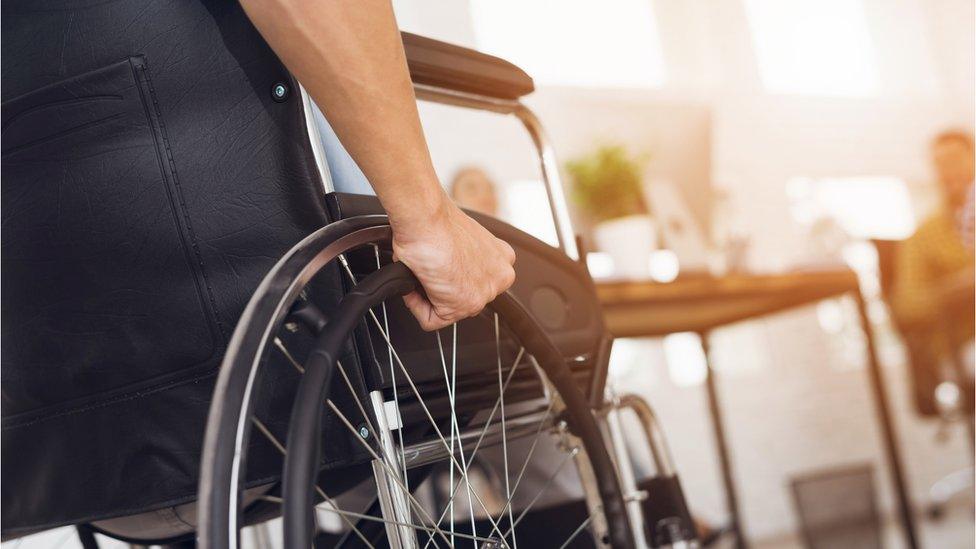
x=642, y=309
x=647, y=309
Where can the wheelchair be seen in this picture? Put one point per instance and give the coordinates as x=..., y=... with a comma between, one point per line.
x=334, y=411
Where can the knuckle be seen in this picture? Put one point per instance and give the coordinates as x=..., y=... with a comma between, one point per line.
x=452, y=316
x=456, y=317
x=509, y=277
x=473, y=308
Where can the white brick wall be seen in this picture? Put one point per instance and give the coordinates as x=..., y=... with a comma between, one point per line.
x=800, y=411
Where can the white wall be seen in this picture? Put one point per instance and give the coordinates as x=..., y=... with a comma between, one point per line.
x=803, y=408
x=925, y=57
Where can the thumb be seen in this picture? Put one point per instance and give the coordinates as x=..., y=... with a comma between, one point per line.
x=422, y=310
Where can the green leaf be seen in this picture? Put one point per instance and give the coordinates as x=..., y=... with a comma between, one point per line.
x=607, y=183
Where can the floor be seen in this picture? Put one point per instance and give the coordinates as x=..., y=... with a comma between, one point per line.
x=955, y=531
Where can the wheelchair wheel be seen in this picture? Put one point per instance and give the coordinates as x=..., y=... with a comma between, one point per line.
x=380, y=410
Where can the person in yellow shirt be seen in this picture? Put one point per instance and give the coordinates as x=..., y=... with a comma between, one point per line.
x=933, y=287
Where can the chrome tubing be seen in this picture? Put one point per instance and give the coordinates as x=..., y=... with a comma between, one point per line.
x=653, y=432
x=393, y=500
x=547, y=158
x=625, y=472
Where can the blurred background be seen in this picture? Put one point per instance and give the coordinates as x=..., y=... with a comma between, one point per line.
x=753, y=137
x=707, y=144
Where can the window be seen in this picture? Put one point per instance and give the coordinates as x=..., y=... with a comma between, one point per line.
x=574, y=42
x=864, y=207
x=687, y=364
x=525, y=205
x=816, y=47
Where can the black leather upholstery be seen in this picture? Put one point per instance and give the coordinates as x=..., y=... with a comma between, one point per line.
x=149, y=182
x=455, y=68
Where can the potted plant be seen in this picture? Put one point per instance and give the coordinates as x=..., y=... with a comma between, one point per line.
x=608, y=185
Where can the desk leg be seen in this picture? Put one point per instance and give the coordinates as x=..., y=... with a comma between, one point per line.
x=883, y=408
x=715, y=411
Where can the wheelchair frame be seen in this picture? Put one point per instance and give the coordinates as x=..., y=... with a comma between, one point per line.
x=547, y=158
x=567, y=243
x=672, y=530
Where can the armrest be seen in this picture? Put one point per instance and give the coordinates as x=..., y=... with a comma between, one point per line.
x=443, y=65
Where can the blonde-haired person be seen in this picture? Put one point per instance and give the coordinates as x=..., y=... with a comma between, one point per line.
x=473, y=188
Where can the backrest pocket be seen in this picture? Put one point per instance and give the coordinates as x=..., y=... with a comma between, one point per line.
x=103, y=290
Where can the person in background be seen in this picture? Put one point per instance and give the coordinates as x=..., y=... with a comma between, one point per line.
x=933, y=298
x=935, y=265
x=473, y=189
x=967, y=219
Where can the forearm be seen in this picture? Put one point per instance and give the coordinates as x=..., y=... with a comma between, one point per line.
x=348, y=55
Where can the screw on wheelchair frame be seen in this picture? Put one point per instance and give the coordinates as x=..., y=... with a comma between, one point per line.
x=279, y=92
x=363, y=431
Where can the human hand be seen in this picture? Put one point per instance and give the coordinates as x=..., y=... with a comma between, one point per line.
x=461, y=266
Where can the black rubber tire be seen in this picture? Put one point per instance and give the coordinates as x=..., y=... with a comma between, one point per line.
x=219, y=517
x=304, y=427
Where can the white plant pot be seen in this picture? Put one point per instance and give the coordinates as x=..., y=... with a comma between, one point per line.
x=629, y=242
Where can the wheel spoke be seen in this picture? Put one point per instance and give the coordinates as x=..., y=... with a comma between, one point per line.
x=362, y=516
x=457, y=430
x=518, y=479
x=450, y=383
x=433, y=423
x=398, y=523
x=501, y=398
x=396, y=357
x=407, y=515
x=284, y=452
x=484, y=431
x=396, y=397
x=345, y=377
x=394, y=476
x=528, y=458
x=329, y=403
x=570, y=454
x=576, y=532
x=420, y=399
x=453, y=444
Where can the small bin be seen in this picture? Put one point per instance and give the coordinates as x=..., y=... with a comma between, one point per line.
x=838, y=508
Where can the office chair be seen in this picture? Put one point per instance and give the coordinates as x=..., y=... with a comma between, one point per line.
x=940, y=388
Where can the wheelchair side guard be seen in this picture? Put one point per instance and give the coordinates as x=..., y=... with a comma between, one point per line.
x=667, y=520
x=556, y=290
x=661, y=501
